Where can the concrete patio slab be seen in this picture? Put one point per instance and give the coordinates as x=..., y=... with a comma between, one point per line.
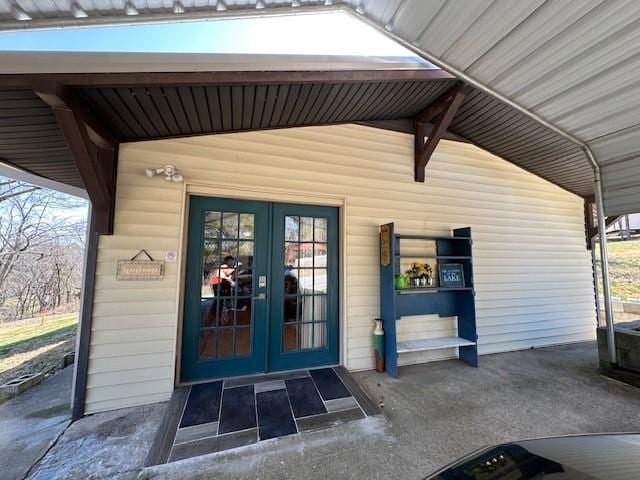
x=31, y=422
x=109, y=445
x=434, y=414
x=438, y=412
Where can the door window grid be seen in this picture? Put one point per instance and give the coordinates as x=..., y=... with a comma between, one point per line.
x=304, y=326
x=227, y=327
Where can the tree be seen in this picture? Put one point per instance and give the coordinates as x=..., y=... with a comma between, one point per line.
x=41, y=247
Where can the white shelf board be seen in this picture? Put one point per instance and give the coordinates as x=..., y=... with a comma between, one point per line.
x=433, y=344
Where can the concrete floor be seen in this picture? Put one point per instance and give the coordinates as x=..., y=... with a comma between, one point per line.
x=31, y=423
x=436, y=412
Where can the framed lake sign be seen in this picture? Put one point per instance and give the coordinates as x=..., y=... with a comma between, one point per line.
x=451, y=275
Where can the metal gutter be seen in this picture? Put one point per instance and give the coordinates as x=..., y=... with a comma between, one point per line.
x=602, y=234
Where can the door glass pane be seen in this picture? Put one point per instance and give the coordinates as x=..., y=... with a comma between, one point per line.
x=246, y=226
x=225, y=342
x=291, y=229
x=291, y=254
x=306, y=229
x=305, y=283
x=243, y=342
x=207, y=347
x=319, y=280
x=227, y=285
x=320, y=229
x=229, y=225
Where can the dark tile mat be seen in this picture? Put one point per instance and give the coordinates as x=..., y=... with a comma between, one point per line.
x=214, y=444
x=328, y=383
x=318, y=422
x=203, y=405
x=304, y=397
x=238, y=410
x=274, y=415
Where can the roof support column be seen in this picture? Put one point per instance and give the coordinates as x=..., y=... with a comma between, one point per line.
x=83, y=337
x=604, y=262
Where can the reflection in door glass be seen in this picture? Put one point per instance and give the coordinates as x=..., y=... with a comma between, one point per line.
x=226, y=327
x=305, y=283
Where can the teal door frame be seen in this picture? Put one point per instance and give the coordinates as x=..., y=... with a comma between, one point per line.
x=267, y=303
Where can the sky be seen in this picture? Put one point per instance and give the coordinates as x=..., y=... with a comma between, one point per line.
x=320, y=34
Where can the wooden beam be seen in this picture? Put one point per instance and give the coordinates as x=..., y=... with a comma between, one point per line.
x=446, y=112
x=443, y=101
x=407, y=125
x=96, y=165
x=608, y=221
x=151, y=79
x=57, y=95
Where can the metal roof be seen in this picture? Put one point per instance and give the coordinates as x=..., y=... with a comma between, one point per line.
x=572, y=64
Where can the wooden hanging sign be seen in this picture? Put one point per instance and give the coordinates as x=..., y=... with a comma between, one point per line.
x=134, y=269
x=385, y=245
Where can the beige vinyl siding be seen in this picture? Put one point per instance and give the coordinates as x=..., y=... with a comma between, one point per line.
x=532, y=271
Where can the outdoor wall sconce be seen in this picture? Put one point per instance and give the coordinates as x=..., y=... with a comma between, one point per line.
x=169, y=171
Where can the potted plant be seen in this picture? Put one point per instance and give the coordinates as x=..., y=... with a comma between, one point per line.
x=421, y=274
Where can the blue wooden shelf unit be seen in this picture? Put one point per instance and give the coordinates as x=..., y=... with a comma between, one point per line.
x=447, y=302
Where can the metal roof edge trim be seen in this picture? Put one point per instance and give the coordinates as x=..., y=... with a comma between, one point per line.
x=36, y=62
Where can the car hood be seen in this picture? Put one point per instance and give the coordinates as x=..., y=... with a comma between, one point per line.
x=584, y=457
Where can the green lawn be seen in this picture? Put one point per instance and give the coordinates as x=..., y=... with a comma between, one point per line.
x=19, y=335
x=624, y=269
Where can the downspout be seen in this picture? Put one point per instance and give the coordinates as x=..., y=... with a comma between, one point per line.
x=602, y=233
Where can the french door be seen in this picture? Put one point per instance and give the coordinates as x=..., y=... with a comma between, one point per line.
x=261, y=289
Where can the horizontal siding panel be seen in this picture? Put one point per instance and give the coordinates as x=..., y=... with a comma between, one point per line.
x=130, y=377
x=112, y=350
x=134, y=335
x=124, y=363
x=114, y=392
x=532, y=270
x=126, y=401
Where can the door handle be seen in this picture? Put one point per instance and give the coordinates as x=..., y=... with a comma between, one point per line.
x=260, y=296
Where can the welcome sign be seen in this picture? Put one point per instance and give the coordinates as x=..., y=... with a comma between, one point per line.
x=451, y=275
x=140, y=269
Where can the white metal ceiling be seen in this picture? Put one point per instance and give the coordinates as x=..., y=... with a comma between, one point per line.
x=573, y=63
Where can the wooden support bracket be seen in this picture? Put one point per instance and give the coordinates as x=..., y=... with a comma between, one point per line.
x=93, y=148
x=590, y=226
x=441, y=112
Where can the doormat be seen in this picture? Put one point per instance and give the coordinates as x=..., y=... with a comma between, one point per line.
x=225, y=414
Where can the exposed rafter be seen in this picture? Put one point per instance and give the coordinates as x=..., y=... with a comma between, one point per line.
x=93, y=148
x=441, y=112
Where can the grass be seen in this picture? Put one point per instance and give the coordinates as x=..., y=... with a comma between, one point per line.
x=624, y=269
x=12, y=336
x=29, y=346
